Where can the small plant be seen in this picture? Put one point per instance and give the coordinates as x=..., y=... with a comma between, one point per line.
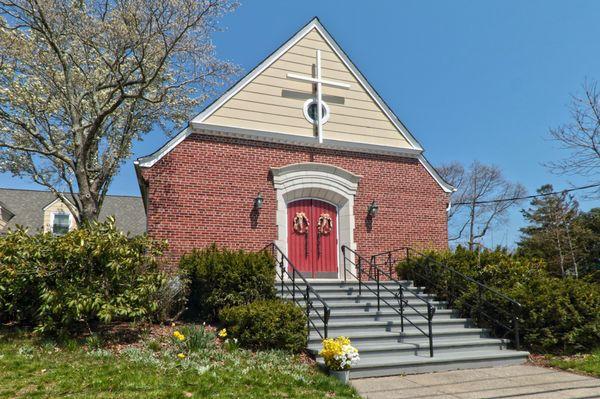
x=71, y=345
x=192, y=339
x=93, y=341
x=229, y=345
x=100, y=353
x=339, y=354
x=198, y=338
x=26, y=351
x=154, y=346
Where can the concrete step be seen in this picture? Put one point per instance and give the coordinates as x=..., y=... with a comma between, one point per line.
x=367, y=296
x=369, y=289
x=384, y=348
x=352, y=286
x=341, y=328
x=383, y=315
x=371, y=304
x=418, y=348
x=409, y=336
x=318, y=284
x=395, y=365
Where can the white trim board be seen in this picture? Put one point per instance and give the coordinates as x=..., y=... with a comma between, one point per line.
x=54, y=201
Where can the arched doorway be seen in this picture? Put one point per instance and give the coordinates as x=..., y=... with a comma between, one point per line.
x=313, y=238
x=327, y=184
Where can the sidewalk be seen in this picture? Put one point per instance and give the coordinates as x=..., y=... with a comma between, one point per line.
x=522, y=381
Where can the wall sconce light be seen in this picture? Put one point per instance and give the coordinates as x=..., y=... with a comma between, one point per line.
x=258, y=201
x=372, y=209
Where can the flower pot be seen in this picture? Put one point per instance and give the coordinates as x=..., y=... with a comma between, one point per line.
x=342, y=375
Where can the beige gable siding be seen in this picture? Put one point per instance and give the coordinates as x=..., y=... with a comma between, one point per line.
x=56, y=207
x=4, y=216
x=261, y=106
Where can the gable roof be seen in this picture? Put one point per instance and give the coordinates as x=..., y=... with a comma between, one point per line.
x=200, y=121
x=27, y=207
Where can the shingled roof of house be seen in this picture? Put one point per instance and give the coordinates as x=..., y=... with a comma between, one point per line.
x=27, y=209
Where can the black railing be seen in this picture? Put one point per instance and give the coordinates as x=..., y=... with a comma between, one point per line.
x=366, y=268
x=448, y=283
x=288, y=275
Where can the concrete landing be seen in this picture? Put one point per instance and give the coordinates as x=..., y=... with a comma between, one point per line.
x=521, y=381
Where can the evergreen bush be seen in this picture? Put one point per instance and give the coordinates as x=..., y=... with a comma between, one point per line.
x=557, y=314
x=221, y=278
x=268, y=324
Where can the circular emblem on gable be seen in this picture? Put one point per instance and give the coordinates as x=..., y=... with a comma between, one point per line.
x=310, y=111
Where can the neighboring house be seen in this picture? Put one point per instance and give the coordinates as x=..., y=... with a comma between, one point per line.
x=262, y=165
x=42, y=211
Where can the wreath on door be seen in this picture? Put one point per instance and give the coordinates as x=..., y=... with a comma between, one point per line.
x=301, y=223
x=325, y=224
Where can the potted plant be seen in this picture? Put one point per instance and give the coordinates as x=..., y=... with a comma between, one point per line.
x=339, y=356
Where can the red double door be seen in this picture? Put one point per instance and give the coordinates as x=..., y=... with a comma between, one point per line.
x=312, y=238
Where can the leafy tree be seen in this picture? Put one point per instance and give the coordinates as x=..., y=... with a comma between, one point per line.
x=588, y=224
x=81, y=80
x=552, y=233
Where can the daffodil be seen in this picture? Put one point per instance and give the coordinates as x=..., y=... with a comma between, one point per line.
x=181, y=355
x=339, y=354
x=179, y=335
x=223, y=333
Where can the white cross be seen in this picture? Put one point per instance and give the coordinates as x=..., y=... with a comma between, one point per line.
x=319, y=82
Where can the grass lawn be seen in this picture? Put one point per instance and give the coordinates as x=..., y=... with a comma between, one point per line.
x=589, y=363
x=152, y=369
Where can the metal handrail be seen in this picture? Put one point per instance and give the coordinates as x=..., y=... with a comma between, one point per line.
x=305, y=294
x=400, y=297
x=481, y=288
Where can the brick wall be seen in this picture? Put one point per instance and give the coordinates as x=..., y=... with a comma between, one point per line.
x=203, y=192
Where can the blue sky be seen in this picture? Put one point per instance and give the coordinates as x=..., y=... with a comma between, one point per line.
x=472, y=80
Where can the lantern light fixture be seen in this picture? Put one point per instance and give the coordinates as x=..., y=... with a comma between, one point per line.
x=372, y=209
x=258, y=201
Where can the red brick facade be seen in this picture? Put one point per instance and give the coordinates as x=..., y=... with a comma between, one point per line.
x=203, y=192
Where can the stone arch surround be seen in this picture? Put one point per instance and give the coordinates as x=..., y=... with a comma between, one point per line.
x=319, y=181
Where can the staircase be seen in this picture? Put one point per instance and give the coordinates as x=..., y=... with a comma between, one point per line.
x=385, y=350
x=397, y=327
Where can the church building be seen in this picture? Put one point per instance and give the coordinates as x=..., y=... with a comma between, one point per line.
x=302, y=152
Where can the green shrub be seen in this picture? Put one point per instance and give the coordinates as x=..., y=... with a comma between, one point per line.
x=270, y=324
x=221, y=278
x=557, y=314
x=94, y=274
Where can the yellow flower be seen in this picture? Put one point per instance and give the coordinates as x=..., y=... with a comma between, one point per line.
x=181, y=355
x=333, y=347
x=223, y=333
x=179, y=335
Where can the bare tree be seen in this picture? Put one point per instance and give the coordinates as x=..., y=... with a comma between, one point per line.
x=482, y=199
x=581, y=137
x=81, y=80
x=453, y=173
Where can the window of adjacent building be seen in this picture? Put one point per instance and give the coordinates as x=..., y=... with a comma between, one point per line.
x=61, y=223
